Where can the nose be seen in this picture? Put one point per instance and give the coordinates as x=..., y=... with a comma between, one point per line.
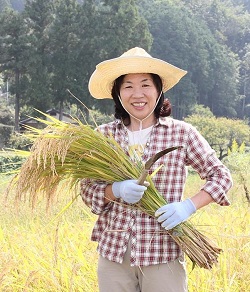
x=137, y=92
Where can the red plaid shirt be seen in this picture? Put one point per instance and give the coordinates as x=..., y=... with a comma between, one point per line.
x=117, y=224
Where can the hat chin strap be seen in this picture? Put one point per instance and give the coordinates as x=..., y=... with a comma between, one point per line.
x=140, y=121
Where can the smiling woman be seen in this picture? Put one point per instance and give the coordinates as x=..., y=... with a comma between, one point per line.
x=135, y=251
x=139, y=97
x=153, y=83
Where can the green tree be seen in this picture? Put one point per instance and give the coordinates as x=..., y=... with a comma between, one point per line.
x=244, y=3
x=82, y=36
x=64, y=48
x=14, y=49
x=39, y=16
x=122, y=27
x=222, y=99
x=229, y=22
x=245, y=84
x=6, y=124
x=118, y=27
x=221, y=132
x=201, y=110
x=184, y=39
x=87, y=53
x=238, y=161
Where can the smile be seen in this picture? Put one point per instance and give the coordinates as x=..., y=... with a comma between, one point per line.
x=139, y=104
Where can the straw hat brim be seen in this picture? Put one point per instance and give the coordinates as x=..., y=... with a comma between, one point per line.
x=101, y=81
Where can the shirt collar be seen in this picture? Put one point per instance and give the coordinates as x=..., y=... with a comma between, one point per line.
x=166, y=121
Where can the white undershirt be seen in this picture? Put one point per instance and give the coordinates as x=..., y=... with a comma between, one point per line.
x=137, y=140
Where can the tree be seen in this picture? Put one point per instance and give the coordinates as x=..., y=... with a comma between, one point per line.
x=122, y=27
x=13, y=53
x=82, y=36
x=238, y=161
x=65, y=39
x=245, y=84
x=184, y=40
x=39, y=16
x=221, y=132
x=64, y=44
x=244, y=3
x=6, y=124
x=229, y=22
x=222, y=98
x=118, y=27
x=201, y=110
x=87, y=53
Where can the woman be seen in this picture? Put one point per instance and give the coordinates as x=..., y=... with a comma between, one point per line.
x=135, y=253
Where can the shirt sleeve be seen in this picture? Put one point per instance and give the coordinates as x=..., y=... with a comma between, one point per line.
x=204, y=160
x=93, y=195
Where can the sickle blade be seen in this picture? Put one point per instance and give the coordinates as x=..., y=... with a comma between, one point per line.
x=152, y=160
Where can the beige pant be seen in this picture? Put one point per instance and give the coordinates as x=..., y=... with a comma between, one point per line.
x=114, y=277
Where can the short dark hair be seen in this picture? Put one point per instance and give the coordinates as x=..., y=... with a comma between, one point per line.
x=163, y=108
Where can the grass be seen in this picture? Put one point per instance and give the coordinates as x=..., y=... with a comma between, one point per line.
x=42, y=252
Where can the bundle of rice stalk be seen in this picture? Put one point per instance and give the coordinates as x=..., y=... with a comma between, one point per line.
x=71, y=152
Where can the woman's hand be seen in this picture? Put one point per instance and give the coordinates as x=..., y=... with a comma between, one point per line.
x=129, y=190
x=173, y=214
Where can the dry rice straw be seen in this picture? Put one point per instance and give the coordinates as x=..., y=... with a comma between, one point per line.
x=71, y=152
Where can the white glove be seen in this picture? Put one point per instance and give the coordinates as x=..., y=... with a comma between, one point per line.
x=174, y=213
x=128, y=190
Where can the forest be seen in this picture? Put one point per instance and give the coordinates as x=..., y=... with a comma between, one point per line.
x=49, y=48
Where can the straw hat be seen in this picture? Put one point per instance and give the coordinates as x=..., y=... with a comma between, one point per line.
x=135, y=60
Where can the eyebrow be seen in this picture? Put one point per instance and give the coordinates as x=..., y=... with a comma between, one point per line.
x=146, y=79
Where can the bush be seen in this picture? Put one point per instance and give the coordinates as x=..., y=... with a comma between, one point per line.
x=10, y=161
x=10, y=164
x=238, y=161
x=19, y=142
x=95, y=117
x=6, y=124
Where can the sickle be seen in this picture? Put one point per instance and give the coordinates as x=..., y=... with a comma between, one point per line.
x=152, y=160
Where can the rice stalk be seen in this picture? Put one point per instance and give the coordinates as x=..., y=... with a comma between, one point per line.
x=69, y=153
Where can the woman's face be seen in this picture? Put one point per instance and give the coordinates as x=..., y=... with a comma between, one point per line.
x=139, y=95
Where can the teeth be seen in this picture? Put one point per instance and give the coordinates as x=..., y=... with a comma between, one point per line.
x=139, y=103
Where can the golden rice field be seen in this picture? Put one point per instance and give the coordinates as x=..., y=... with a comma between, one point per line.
x=42, y=251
